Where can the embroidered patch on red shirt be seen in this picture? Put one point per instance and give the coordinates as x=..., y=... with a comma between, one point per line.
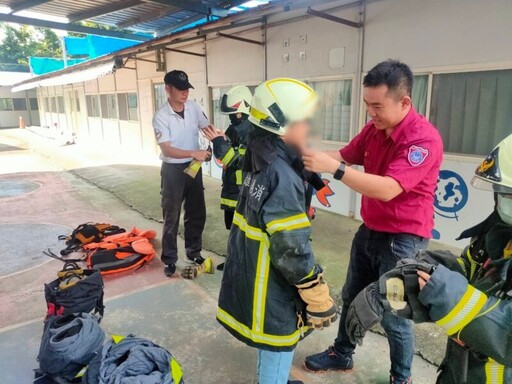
x=417, y=155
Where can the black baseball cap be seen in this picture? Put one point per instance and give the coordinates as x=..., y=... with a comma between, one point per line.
x=178, y=79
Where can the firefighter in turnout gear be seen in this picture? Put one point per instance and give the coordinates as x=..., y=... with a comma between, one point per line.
x=229, y=147
x=272, y=291
x=469, y=296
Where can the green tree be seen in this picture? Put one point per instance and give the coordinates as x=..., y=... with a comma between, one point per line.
x=19, y=43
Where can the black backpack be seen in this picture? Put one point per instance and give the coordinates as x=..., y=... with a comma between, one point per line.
x=76, y=290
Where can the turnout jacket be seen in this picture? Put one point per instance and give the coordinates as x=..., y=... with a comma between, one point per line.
x=231, y=152
x=474, y=307
x=269, y=250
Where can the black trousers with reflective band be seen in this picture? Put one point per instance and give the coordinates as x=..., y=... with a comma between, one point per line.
x=177, y=190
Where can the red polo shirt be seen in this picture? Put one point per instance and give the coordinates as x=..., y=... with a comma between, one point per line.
x=411, y=155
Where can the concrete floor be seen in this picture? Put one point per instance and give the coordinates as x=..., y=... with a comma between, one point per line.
x=48, y=188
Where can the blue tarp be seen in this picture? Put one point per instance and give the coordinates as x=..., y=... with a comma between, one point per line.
x=94, y=46
x=88, y=47
x=42, y=65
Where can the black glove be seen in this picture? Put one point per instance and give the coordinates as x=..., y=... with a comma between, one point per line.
x=365, y=311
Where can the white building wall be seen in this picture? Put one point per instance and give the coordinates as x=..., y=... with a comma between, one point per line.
x=235, y=62
x=437, y=33
x=9, y=119
x=316, y=38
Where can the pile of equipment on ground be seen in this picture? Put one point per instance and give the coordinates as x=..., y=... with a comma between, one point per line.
x=73, y=347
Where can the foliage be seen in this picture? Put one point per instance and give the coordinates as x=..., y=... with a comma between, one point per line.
x=20, y=42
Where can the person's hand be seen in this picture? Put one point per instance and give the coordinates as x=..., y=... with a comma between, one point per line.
x=201, y=155
x=319, y=162
x=210, y=132
x=423, y=278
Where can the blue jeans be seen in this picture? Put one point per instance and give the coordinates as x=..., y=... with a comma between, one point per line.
x=373, y=254
x=274, y=367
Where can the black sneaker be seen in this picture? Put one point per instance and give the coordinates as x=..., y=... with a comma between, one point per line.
x=295, y=382
x=198, y=259
x=170, y=270
x=329, y=360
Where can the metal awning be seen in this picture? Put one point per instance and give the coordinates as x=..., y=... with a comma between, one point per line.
x=150, y=17
x=78, y=76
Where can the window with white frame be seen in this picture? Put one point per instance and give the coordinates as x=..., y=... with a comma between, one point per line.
x=53, y=104
x=333, y=116
x=419, y=93
x=160, y=95
x=60, y=103
x=128, y=106
x=93, y=105
x=220, y=121
x=112, y=106
x=19, y=104
x=472, y=110
x=6, y=104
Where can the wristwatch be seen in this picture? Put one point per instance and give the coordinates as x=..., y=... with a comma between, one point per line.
x=338, y=175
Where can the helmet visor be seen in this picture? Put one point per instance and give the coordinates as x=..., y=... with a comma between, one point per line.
x=225, y=108
x=488, y=185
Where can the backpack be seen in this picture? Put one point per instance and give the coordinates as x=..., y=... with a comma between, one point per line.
x=87, y=233
x=76, y=290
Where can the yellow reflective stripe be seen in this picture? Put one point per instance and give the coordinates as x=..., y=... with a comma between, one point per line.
x=462, y=265
x=117, y=338
x=250, y=231
x=228, y=156
x=242, y=150
x=228, y=202
x=258, y=115
x=176, y=372
x=260, y=289
x=464, y=312
x=288, y=223
x=311, y=273
x=82, y=372
x=262, y=271
x=494, y=372
x=259, y=337
x=239, y=178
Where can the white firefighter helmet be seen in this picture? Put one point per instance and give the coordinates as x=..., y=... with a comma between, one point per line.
x=495, y=172
x=277, y=103
x=236, y=100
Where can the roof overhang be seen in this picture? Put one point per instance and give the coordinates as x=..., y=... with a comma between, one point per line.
x=78, y=76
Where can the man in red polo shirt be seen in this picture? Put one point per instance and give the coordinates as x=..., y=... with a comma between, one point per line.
x=401, y=153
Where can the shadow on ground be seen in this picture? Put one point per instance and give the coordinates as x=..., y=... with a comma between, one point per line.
x=138, y=186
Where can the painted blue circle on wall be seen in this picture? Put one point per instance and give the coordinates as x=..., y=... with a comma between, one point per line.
x=451, y=194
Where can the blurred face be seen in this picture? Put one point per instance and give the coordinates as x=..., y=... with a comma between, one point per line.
x=176, y=95
x=387, y=109
x=297, y=135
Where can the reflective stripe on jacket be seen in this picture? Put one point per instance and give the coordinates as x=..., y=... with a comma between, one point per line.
x=482, y=323
x=230, y=152
x=268, y=253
